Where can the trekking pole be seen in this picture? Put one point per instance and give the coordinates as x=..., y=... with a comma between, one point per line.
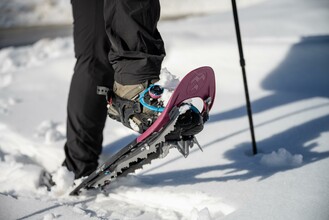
x=242, y=64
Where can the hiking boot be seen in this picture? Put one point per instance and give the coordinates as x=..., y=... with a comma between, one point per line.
x=125, y=105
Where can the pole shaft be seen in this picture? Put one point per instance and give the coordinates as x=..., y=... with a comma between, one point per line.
x=243, y=64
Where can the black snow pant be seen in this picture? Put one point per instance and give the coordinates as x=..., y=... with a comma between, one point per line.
x=114, y=40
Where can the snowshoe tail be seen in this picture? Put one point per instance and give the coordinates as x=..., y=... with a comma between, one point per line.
x=135, y=155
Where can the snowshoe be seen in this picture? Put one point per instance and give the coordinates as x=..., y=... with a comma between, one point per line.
x=175, y=127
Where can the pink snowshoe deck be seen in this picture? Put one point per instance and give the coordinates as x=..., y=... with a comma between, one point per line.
x=199, y=83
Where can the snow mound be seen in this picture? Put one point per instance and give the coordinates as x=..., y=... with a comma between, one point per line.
x=281, y=158
x=64, y=180
x=169, y=82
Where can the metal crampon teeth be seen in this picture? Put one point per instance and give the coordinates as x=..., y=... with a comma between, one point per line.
x=140, y=156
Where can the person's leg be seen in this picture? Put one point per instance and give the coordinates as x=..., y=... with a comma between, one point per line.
x=137, y=49
x=137, y=52
x=86, y=111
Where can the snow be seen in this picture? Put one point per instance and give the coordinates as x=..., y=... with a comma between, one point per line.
x=22, y=13
x=34, y=12
x=64, y=180
x=281, y=158
x=168, y=82
x=14, y=59
x=286, y=48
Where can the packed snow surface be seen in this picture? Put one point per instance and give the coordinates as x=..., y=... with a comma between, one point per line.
x=286, y=45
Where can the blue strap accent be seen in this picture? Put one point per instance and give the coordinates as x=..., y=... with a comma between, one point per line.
x=195, y=109
x=150, y=107
x=156, y=109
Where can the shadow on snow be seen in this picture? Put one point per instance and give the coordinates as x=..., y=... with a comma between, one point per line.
x=303, y=74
